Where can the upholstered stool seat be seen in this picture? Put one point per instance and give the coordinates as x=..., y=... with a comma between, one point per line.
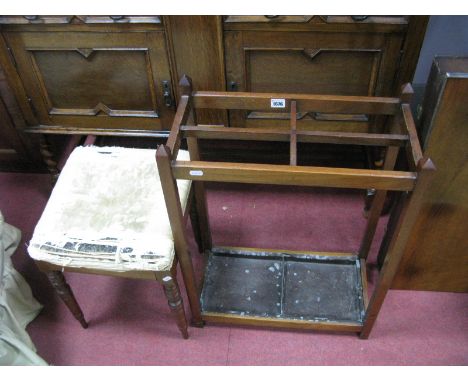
x=107, y=211
x=107, y=214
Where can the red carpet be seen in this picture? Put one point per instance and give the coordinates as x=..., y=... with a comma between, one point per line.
x=130, y=322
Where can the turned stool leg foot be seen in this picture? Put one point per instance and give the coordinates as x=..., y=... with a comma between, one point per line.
x=64, y=291
x=171, y=289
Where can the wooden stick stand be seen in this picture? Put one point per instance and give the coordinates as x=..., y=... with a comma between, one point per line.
x=281, y=288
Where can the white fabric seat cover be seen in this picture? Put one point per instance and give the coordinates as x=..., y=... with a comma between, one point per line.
x=107, y=211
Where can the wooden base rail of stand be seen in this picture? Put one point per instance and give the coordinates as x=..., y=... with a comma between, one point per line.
x=409, y=183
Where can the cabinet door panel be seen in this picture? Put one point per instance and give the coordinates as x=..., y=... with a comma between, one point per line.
x=75, y=82
x=319, y=71
x=95, y=80
x=310, y=62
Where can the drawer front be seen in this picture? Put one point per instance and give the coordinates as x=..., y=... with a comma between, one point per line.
x=309, y=62
x=95, y=80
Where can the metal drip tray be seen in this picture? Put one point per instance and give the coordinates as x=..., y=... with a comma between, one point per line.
x=283, y=285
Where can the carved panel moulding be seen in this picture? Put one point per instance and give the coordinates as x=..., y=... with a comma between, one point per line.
x=366, y=19
x=312, y=53
x=78, y=19
x=268, y=19
x=35, y=19
x=85, y=52
x=121, y=19
x=316, y=19
x=102, y=109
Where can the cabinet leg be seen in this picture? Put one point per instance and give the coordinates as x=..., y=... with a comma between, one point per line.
x=48, y=157
x=64, y=291
x=171, y=289
x=363, y=336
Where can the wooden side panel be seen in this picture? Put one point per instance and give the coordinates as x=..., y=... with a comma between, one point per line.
x=11, y=147
x=17, y=152
x=198, y=52
x=436, y=256
x=413, y=42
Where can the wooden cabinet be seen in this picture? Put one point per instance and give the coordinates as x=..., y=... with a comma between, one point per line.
x=312, y=54
x=119, y=74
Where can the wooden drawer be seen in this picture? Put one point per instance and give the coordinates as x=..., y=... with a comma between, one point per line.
x=95, y=80
x=310, y=62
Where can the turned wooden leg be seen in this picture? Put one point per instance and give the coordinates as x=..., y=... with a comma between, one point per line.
x=48, y=157
x=174, y=211
x=171, y=289
x=57, y=279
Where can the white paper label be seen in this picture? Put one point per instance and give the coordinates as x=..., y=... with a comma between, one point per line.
x=278, y=103
x=196, y=172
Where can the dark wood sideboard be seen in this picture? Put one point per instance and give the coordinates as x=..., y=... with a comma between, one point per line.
x=118, y=74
